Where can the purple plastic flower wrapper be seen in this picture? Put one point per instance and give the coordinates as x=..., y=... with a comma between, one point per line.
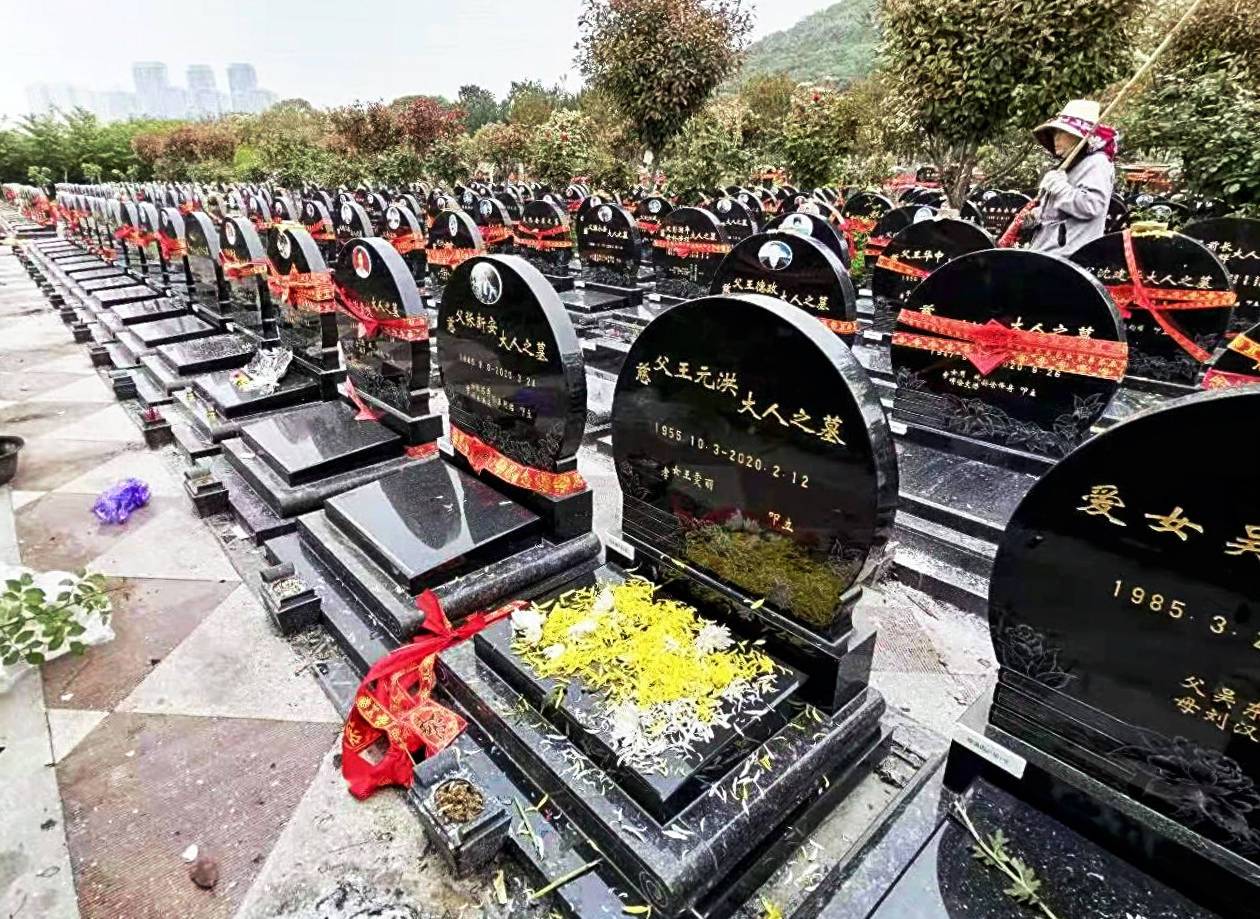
x=117, y=502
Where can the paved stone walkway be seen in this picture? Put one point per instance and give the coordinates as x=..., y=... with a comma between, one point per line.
x=199, y=725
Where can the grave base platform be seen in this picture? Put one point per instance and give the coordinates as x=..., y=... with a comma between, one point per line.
x=120, y=358
x=1165, y=388
x=584, y=301
x=190, y=443
x=290, y=500
x=186, y=359
x=559, y=282
x=510, y=566
x=149, y=310
x=259, y=521
x=1097, y=851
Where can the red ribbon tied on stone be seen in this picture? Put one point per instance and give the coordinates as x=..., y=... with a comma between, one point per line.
x=395, y=701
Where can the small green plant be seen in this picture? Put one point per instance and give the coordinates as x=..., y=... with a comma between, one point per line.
x=32, y=626
x=1025, y=888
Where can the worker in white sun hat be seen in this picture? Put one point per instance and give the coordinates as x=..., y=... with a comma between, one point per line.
x=1074, y=196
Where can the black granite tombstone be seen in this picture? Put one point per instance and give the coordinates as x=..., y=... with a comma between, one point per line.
x=889, y=225
x=691, y=244
x=998, y=210
x=543, y=240
x=738, y=221
x=453, y=239
x=861, y=212
x=816, y=227
x=502, y=511
x=291, y=462
x=796, y=269
x=759, y=484
x=1176, y=300
x=1236, y=242
x=608, y=245
x=1123, y=615
x=404, y=231
x=318, y=221
x=912, y=255
x=350, y=221
x=243, y=258
x=494, y=223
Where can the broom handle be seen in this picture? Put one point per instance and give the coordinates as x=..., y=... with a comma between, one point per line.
x=1133, y=81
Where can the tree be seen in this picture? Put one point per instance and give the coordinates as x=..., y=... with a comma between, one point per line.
x=820, y=131
x=709, y=152
x=501, y=146
x=563, y=148
x=1204, y=103
x=660, y=60
x=767, y=97
x=480, y=107
x=971, y=70
x=426, y=121
x=362, y=128
x=529, y=103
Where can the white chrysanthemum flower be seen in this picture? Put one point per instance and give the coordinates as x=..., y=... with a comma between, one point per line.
x=553, y=651
x=528, y=622
x=584, y=627
x=605, y=602
x=713, y=637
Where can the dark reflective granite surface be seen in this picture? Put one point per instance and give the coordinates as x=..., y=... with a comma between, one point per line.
x=430, y=522
x=320, y=439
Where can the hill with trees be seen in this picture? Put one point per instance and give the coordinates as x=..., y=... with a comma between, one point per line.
x=836, y=44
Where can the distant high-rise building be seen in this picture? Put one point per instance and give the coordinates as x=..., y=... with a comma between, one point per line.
x=203, y=92
x=242, y=83
x=151, y=87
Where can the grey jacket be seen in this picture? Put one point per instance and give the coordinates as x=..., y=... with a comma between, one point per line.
x=1068, y=221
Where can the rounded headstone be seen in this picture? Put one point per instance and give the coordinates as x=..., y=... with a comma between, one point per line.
x=542, y=236
x=608, y=244
x=453, y=239
x=796, y=269
x=861, y=213
x=511, y=362
x=1236, y=242
x=738, y=220
x=750, y=445
x=1124, y=615
x=688, y=251
x=1175, y=342
x=805, y=223
x=1010, y=347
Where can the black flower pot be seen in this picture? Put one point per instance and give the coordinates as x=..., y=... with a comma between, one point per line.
x=9, y=447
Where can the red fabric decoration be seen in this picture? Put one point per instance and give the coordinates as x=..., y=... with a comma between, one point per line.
x=311, y=291
x=395, y=701
x=366, y=412
x=1011, y=235
x=992, y=344
x=892, y=263
x=1160, y=300
x=481, y=455
x=404, y=328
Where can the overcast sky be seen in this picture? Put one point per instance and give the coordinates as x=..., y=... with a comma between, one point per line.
x=326, y=51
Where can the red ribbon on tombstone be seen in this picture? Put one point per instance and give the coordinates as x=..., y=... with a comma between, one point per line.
x=892, y=263
x=311, y=291
x=481, y=456
x=989, y=345
x=395, y=701
x=532, y=238
x=365, y=412
x=236, y=270
x=171, y=248
x=408, y=241
x=403, y=328
x=1160, y=300
x=685, y=248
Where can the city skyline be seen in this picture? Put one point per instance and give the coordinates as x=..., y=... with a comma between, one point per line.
x=154, y=95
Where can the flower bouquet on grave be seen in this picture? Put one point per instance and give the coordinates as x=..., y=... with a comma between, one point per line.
x=264, y=371
x=667, y=677
x=44, y=615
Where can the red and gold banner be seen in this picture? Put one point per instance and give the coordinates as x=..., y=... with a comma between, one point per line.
x=1221, y=379
x=403, y=328
x=395, y=701
x=892, y=263
x=421, y=451
x=311, y=291
x=321, y=231
x=686, y=248
x=236, y=270
x=990, y=345
x=450, y=257
x=188, y=207
x=840, y=326
x=495, y=233
x=171, y=248
x=482, y=456
x=546, y=238
x=126, y=234
x=1160, y=300
x=1247, y=347
x=647, y=225
x=408, y=241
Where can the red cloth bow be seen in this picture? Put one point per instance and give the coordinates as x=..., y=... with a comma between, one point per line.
x=395, y=701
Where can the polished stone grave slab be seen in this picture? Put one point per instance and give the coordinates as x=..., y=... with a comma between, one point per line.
x=168, y=331
x=315, y=440
x=112, y=297
x=430, y=522
x=593, y=300
x=149, y=310
x=107, y=282
x=77, y=276
x=201, y=355
x=230, y=401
